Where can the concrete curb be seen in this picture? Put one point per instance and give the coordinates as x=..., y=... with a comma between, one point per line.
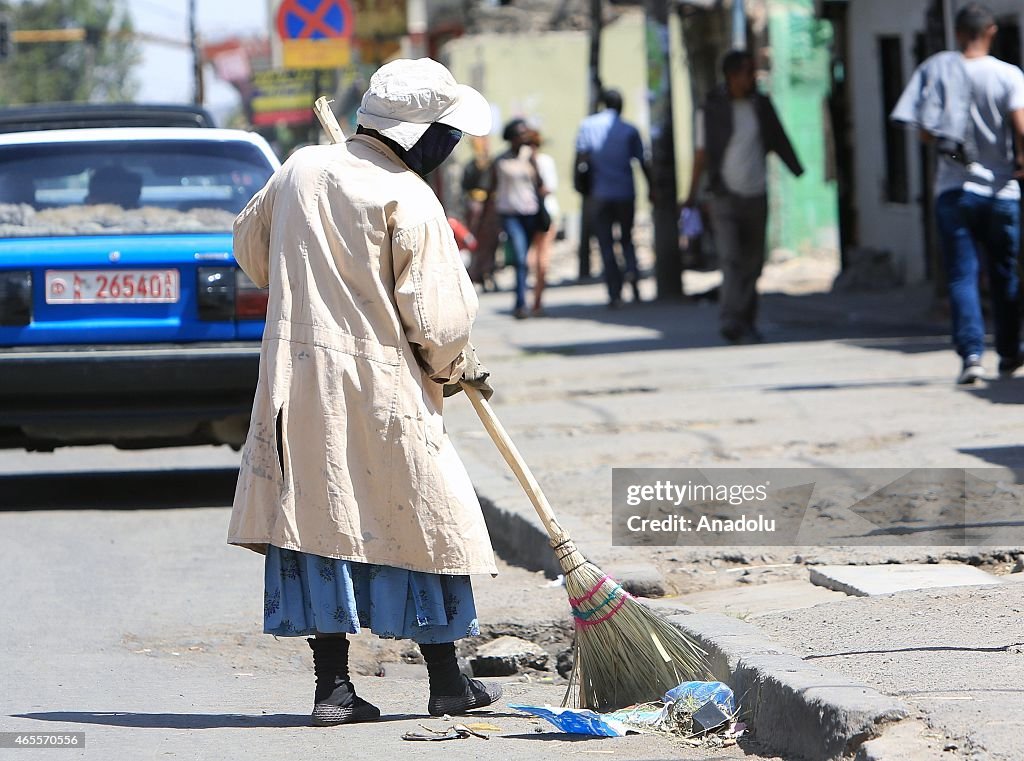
x=794, y=708
x=519, y=539
x=517, y=535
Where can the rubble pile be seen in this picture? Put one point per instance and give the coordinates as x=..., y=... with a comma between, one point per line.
x=23, y=221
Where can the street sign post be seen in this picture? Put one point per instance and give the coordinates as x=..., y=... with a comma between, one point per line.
x=315, y=34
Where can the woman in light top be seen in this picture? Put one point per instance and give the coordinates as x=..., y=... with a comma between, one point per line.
x=540, y=250
x=517, y=193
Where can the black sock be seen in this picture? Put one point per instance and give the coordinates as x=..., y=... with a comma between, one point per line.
x=330, y=663
x=443, y=669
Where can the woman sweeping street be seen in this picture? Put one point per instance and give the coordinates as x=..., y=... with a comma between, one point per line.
x=348, y=483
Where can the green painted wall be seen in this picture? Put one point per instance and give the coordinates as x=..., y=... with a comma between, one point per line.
x=804, y=216
x=543, y=77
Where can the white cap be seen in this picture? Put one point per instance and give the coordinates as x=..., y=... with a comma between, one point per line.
x=406, y=96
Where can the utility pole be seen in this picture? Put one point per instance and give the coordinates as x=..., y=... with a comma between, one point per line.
x=667, y=265
x=596, y=25
x=593, y=96
x=197, y=58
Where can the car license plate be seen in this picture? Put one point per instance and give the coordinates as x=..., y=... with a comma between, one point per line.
x=112, y=286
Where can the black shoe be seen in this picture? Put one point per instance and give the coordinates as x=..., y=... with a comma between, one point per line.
x=335, y=700
x=476, y=695
x=615, y=304
x=971, y=371
x=328, y=714
x=732, y=335
x=1009, y=365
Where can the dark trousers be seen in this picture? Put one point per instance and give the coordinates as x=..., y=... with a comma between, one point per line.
x=966, y=220
x=739, y=225
x=606, y=215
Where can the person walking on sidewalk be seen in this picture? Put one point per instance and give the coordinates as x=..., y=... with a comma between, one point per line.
x=540, y=248
x=517, y=195
x=734, y=132
x=348, y=483
x=609, y=145
x=485, y=228
x=977, y=188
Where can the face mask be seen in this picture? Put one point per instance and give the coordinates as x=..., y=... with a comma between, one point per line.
x=432, y=149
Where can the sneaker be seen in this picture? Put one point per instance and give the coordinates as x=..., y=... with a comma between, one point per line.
x=352, y=711
x=477, y=695
x=972, y=371
x=335, y=700
x=615, y=304
x=1009, y=365
x=520, y=313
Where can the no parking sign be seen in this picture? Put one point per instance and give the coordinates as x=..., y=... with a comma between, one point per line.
x=315, y=34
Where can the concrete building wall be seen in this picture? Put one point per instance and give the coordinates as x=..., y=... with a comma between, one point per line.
x=543, y=77
x=883, y=225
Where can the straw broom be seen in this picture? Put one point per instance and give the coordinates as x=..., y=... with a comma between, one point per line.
x=624, y=653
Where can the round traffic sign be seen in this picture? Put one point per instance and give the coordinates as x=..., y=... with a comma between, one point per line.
x=314, y=20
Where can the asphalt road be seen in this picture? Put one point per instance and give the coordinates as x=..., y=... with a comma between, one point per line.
x=127, y=617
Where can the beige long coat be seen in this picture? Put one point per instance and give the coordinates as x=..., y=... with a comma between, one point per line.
x=370, y=306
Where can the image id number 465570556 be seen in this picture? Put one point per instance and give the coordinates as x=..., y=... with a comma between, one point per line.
x=42, y=739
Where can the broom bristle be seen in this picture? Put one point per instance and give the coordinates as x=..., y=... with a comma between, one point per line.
x=624, y=652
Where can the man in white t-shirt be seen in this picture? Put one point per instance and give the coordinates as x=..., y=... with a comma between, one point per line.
x=978, y=203
x=735, y=131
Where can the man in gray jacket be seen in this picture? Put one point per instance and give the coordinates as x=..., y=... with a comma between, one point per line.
x=735, y=131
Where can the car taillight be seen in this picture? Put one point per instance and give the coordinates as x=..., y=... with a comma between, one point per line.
x=215, y=293
x=15, y=297
x=250, y=300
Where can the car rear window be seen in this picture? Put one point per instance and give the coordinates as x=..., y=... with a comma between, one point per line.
x=122, y=187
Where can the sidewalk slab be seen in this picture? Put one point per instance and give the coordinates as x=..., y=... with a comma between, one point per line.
x=905, y=741
x=952, y=654
x=795, y=709
x=871, y=580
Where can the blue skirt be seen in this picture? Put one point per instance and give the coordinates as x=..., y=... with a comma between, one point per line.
x=305, y=594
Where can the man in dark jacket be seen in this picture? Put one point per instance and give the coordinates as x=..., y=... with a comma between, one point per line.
x=735, y=131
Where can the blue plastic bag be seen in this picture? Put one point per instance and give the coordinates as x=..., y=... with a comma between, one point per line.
x=576, y=721
x=704, y=692
x=690, y=223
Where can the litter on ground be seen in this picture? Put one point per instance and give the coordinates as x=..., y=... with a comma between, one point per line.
x=700, y=713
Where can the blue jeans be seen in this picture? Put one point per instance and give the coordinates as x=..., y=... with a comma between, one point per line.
x=967, y=221
x=606, y=214
x=519, y=230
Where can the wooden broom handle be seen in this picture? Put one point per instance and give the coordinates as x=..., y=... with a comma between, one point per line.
x=515, y=461
x=322, y=109
x=494, y=427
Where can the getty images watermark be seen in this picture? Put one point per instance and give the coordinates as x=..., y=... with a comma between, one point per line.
x=817, y=506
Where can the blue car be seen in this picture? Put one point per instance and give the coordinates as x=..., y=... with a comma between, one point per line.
x=124, y=318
